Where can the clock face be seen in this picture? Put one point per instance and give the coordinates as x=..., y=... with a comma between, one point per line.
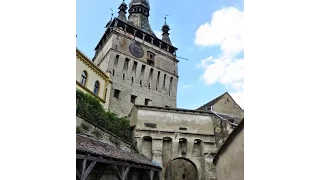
x=136, y=50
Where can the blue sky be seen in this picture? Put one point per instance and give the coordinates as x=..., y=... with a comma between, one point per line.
x=214, y=51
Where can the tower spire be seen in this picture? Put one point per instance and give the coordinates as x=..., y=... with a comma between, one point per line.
x=122, y=11
x=139, y=11
x=165, y=30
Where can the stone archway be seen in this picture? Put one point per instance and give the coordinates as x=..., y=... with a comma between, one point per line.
x=181, y=169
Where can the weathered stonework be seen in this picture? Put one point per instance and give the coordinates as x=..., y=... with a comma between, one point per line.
x=224, y=104
x=229, y=160
x=186, y=135
x=183, y=142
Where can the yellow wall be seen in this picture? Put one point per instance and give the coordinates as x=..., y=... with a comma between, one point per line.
x=93, y=74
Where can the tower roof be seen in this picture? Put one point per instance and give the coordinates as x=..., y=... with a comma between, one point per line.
x=138, y=15
x=122, y=11
x=139, y=2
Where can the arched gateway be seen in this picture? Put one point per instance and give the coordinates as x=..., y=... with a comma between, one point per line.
x=181, y=169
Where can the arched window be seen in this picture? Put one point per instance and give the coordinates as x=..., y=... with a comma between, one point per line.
x=84, y=76
x=96, y=88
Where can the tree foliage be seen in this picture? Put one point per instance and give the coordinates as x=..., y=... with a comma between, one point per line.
x=89, y=108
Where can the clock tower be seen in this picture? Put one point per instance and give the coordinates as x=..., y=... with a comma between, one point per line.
x=143, y=67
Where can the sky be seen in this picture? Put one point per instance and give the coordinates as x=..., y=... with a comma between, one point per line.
x=210, y=34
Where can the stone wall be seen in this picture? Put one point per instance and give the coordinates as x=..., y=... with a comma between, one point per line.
x=134, y=77
x=178, y=135
x=226, y=105
x=230, y=163
x=86, y=128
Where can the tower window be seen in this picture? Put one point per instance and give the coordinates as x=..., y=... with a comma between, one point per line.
x=164, y=82
x=113, y=71
x=170, y=85
x=123, y=76
x=84, y=76
x=131, y=80
x=133, y=99
x=150, y=58
x=141, y=83
x=96, y=88
x=116, y=93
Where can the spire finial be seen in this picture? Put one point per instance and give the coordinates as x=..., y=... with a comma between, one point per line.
x=165, y=18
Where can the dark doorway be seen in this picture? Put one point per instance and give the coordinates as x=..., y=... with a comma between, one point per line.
x=181, y=168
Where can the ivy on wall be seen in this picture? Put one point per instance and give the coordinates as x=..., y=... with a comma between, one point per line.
x=89, y=108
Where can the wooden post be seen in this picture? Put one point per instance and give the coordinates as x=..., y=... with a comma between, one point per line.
x=85, y=171
x=122, y=174
x=88, y=170
x=150, y=174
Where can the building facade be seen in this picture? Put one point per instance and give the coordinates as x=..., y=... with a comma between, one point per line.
x=144, y=71
x=92, y=80
x=183, y=142
x=143, y=67
x=226, y=107
x=229, y=160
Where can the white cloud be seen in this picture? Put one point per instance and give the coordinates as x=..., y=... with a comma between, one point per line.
x=226, y=31
x=158, y=34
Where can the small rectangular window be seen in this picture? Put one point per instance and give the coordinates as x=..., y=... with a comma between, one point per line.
x=183, y=128
x=147, y=102
x=150, y=125
x=117, y=93
x=133, y=99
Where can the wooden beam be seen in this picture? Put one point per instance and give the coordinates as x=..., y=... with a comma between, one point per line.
x=122, y=174
x=107, y=161
x=88, y=170
x=84, y=166
x=125, y=173
x=115, y=168
x=150, y=174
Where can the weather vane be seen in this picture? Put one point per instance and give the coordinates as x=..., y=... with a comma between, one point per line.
x=165, y=18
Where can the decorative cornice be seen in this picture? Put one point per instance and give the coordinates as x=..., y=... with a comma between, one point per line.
x=92, y=66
